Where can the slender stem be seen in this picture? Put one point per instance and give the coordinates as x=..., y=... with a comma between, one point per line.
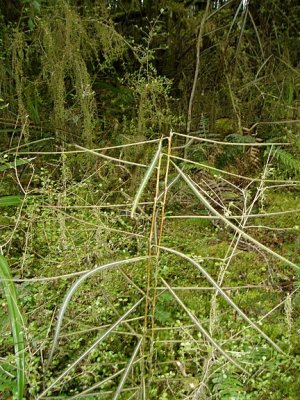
x=162, y=220
x=196, y=73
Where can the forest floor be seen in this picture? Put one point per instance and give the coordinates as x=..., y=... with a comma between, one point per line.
x=54, y=238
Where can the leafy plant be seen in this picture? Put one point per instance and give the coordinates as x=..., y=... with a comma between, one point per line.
x=287, y=162
x=203, y=302
x=227, y=386
x=17, y=326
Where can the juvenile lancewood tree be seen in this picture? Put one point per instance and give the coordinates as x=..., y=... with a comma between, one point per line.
x=149, y=196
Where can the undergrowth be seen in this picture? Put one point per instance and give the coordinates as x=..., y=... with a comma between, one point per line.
x=203, y=310
x=163, y=264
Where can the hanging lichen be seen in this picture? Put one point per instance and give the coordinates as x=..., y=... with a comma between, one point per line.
x=18, y=48
x=70, y=42
x=153, y=100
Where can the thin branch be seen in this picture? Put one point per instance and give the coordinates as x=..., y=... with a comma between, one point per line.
x=201, y=329
x=119, y=160
x=90, y=349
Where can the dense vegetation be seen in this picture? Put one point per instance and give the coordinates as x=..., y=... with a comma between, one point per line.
x=150, y=225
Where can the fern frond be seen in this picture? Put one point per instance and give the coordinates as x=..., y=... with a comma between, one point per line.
x=204, y=123
x=254, y=157
x=287, y=161
x=237, y=138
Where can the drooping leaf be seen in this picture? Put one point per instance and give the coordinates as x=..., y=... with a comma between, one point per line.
x=145, y=180
x=9, y=165
x=10, y=201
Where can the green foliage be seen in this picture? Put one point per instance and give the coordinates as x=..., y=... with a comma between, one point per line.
x=17, y=328
x=8, y=384
x=5, y=165
x=111, y=74
x=9, y=201
x=232, y=155
x=32, y=9
x=228, y=386
x=225, y=127
x=56, y=243
x=287, y=162
x=3, y=106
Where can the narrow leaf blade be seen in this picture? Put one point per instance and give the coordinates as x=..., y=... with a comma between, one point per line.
x=145, y=180
x=16, y=325
x=10, y=201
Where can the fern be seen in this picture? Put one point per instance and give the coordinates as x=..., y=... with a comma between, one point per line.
x=253, y=154
x=203, y=129
x=227, y=386
x=237, y=138
x=287, y=161
x=8, y=382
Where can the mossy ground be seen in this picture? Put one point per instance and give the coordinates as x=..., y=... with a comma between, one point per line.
x=63, y=243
